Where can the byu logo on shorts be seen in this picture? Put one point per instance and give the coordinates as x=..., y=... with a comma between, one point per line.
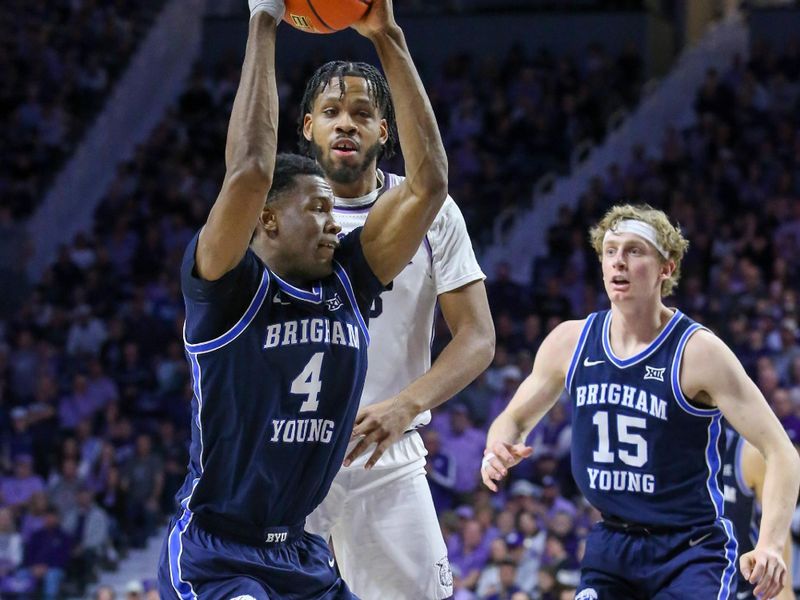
x=653, y=373
x=445, y=574
x=587, y=594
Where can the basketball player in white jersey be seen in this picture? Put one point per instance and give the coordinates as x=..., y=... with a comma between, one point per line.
x=379, y=513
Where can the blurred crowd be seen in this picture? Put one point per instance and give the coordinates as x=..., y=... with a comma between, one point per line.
x=58, y=61
x=94, y=389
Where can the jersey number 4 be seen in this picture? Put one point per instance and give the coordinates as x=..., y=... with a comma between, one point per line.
x=308, y=383
x=625, y=424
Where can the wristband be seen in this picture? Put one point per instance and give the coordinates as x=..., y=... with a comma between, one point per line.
x=486, y=459
x=274, y=8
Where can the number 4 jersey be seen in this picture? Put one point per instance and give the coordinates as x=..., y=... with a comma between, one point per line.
x=642, y=451
x=277, y=373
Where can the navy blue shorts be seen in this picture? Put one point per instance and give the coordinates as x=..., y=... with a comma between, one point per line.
x=195, y=565
x=744, y=589
x=699, y=562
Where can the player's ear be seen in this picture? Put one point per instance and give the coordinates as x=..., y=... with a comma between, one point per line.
x=667, y=269
x=384, y=135
x=268, y=221
x=307, y=126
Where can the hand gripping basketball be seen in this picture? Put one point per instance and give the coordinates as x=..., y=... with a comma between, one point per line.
x=275, y=8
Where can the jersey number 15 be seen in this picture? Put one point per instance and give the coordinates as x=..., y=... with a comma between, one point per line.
x=625, y=424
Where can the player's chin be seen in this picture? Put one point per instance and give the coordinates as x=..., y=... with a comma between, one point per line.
x=323, y=266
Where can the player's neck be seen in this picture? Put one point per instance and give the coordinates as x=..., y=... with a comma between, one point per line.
x=368, y=182
x=636, y=325
x=282, y=268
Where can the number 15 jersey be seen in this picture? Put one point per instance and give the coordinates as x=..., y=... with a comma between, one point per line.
x=641, y=451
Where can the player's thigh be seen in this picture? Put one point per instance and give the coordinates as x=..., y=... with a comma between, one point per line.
x=699, y=563
x=701, y=579
x=597, y=585
x=330, y=512
x=390, y=542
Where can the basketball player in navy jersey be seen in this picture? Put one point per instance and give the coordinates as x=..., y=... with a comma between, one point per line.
x=379, y=512
x=276, y=337
x=649, y=388
x=743, y=470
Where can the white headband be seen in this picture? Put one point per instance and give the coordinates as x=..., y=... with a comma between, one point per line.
x=640, y=228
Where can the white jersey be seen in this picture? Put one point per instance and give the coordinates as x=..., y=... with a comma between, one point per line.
x=401, y=319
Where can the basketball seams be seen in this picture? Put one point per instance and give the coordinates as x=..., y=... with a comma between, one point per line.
x=319, y=18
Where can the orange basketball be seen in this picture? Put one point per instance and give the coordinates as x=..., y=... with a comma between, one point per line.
x=324, y=16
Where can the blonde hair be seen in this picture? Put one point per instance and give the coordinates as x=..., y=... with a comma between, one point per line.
x=669, y=237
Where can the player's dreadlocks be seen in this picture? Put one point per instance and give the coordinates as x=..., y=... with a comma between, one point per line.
x=378, y=91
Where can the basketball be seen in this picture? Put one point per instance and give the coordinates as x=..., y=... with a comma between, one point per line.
x=324, y=16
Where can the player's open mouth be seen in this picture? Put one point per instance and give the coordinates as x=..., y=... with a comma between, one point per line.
x=345, y=147
x=619, y=282
x=330, y=245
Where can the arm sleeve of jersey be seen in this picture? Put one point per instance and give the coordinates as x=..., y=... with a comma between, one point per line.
x=350, y=255
x=213, y=307
x=454, y=262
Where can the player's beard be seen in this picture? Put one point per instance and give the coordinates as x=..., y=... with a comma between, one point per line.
x=340, y=173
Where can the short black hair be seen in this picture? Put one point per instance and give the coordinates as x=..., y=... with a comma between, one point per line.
x=378, y=91
x=287, y=168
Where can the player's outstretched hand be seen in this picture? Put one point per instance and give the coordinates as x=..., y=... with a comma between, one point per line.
x=498, y=459
x=765, y=569
x=383, y=424
x=379, y=17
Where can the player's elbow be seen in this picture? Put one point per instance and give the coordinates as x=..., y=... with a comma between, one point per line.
x=485, y=345
x=434, y=189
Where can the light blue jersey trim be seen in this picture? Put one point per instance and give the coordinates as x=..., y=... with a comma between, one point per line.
x=314, y=296
x=576, y=354
x=731, y=550
x=238, y=328
x=348, y=289
x=183, y=588
x=714, y=462
x=624, y=363
x=675, y=377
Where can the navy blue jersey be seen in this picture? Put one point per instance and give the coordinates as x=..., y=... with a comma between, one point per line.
x=642, y=451
x=277, y=374
x=741, y=506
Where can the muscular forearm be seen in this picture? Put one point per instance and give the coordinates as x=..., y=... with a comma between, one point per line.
x=252, y=131
x=423, y=151
x=461, y=361
x=781, y=483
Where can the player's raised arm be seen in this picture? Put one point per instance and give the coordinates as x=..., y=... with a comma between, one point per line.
x=400, y=219
x=249, y=150
x=505, y=443
x=710, y=368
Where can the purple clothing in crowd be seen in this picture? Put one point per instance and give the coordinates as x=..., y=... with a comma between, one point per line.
x=49, y=547
x=468, y=447
x=14, y=491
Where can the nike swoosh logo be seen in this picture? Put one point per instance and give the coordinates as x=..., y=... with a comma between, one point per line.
x=743, y=595
x=591, y=363
x=331, y=562
x=693, y=543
